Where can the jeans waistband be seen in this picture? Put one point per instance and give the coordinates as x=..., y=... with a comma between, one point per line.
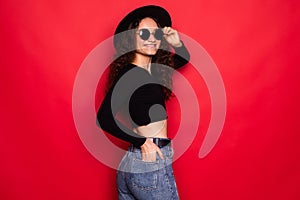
x=160, y=142
x=166, y=150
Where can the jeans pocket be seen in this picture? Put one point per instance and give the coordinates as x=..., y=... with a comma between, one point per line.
x=144, y=175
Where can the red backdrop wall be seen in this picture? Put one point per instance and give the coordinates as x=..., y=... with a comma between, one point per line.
x=255, y=45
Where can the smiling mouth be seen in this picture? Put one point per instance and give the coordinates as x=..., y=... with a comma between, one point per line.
x=150, y=45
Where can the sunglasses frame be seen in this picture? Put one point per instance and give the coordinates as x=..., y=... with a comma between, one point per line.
x=157, y=33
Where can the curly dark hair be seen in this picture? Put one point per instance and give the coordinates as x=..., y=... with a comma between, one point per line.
x=124, y=55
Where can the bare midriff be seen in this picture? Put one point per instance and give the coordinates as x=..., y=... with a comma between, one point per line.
x=153, y=130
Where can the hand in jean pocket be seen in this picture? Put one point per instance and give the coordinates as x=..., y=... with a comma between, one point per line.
x=149, y=150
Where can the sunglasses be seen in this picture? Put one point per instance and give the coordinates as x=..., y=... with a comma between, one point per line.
x=145, y=34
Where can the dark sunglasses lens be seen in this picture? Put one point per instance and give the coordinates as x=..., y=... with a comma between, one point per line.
x=144, y=34
x=158, y=34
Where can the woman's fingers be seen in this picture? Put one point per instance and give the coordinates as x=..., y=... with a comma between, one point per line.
x=161, y=155
x=149, y=150
x=168, y=30
x=172, y=36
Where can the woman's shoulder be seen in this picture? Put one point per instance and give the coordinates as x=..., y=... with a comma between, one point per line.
x=130, y=74
x=124, y=70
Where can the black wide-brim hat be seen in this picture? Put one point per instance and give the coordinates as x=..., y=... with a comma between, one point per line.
x=159, y=14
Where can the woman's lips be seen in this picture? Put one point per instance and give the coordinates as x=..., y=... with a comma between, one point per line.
x=150, y=45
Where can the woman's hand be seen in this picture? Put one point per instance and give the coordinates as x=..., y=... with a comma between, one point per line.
x=149, y=150
x=172, y=36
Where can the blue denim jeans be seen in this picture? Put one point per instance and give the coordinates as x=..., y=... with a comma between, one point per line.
x=140, y=180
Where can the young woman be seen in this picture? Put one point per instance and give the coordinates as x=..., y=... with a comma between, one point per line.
x=140, y=81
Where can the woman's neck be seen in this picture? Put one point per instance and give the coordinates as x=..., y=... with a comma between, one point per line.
x=143, y=61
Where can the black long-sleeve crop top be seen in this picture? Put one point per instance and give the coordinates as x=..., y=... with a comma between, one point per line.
x=139, y=94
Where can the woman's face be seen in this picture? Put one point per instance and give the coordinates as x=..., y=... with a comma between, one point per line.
x=149, y=46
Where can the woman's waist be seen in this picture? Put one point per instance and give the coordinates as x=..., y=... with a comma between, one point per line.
x=153, y=130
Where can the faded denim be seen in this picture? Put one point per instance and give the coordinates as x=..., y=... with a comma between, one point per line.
x=140, y=180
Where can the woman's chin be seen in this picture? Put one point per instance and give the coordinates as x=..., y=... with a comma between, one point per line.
x=148, y=52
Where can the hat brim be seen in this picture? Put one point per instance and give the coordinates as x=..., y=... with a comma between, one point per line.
x=159, y=14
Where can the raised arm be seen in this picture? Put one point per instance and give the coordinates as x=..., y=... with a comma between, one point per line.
x=181, y=56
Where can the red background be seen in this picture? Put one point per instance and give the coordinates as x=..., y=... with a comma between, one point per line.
x=254, y=43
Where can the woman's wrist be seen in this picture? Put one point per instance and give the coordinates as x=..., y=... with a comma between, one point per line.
x=177, y=45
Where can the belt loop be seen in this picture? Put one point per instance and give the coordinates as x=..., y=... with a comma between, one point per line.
x=130, y=148
x=155, y=141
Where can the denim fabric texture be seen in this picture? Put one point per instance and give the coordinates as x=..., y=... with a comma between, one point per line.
x=140, y=180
